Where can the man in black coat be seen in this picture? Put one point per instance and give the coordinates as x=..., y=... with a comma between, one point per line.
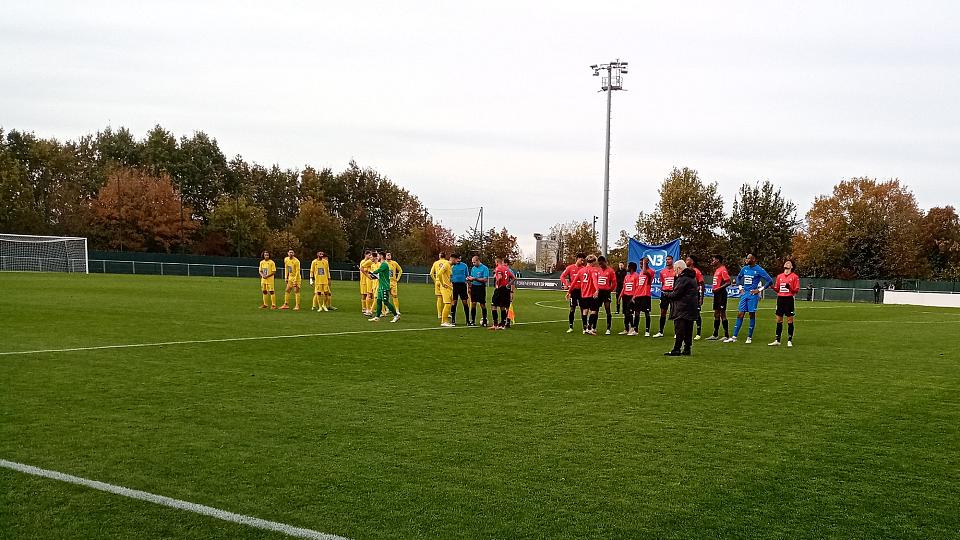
x=684, y=301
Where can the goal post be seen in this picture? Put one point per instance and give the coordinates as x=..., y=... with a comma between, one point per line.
x=29, y=253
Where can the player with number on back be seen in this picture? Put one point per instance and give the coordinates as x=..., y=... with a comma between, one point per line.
x=569, y=280
x=667, y=277
x=787, y=286
x=439, y=265
x=751, y=281
x=366, y=284
x=268, y=269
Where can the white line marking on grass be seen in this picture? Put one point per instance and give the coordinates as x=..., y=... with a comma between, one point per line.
x=258, y=523
x=250, y=338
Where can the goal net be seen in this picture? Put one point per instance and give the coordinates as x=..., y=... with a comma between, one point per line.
x=25, y=253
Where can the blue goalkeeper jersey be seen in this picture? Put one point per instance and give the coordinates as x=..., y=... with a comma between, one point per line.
x=459, y=274
x=751, y=277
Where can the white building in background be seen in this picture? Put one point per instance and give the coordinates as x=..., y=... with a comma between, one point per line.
x=546, y=256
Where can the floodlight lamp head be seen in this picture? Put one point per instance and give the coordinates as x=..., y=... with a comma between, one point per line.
x=593, y=67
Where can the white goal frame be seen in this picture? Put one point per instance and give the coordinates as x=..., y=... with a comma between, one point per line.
x=32, y=253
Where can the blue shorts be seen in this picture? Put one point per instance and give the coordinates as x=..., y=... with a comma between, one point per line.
x=748, y=303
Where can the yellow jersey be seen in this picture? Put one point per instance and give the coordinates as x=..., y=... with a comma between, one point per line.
x=395, y=271
x=267, y=268
x=444, y=271
x=320, y=271
x=364, y=278
x=292, y=268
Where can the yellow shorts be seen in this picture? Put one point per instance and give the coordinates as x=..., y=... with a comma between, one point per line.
x=436, y=289
x=365, y=286
x=393, y=289
x=266, y=285
x=447, y=295
x=321, y=288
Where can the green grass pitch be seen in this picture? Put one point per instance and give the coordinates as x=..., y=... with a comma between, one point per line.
x=467, y=433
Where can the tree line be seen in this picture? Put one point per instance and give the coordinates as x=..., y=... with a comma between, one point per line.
x=161, y=193
x=865, y=229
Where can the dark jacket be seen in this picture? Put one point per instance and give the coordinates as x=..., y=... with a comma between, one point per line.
x=685, y=296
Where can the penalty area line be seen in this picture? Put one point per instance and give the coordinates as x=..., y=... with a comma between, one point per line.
x=251, y=338
x=217, y=513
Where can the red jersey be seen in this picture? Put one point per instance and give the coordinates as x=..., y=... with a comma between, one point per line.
x=630, y=284
x=606, y=279
x=721, y=276
x=588, y=281
x=787, y=284
x=502, y=275
x=667, y=275
x=644, y=283
x=568, y=277
x=699, y=275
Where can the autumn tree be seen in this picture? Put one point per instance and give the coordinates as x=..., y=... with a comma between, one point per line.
x=317, y=229
x=279, y=242
x=865, y=229
x=688, y=209
x=201, y=170
x=137, y=211
x=241, y=224
x=940, y=242
x=422, y=244
x=763, y=222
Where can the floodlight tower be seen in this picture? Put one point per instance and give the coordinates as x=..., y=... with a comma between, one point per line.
x=612, y=81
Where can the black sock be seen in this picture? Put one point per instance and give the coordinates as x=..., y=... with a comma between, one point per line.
x=779, y=330
x=453, y=314
x=716, y=327
x=495, y=317
x=789, y=331
x=699, y=324
x=593, y=320
x=609, y=320
x=466, y=312
x=571, y=318
x=726, y=328
x=583, y=321
x=484, y=308
x=503, y=317
x=663, y=321
x=473, y=313
x=646, y=315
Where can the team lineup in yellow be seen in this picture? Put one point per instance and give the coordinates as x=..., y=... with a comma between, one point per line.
x=453, y=283
x=319, y=278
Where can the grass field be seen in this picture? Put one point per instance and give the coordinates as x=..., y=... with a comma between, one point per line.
x=466, y=433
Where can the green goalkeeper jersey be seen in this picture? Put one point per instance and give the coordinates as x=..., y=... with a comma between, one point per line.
x=383, y=277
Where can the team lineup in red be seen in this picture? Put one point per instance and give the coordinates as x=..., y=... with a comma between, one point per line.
x=591, y=284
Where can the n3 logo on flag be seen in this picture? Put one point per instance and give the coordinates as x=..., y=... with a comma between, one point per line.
x=657, y=257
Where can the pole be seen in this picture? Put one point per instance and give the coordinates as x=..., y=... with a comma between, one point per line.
x=606, y=166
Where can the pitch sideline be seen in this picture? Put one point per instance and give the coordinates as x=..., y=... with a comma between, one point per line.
x=217, y=513
x=249, y=338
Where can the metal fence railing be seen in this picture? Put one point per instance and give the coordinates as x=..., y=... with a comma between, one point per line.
x=109, y=266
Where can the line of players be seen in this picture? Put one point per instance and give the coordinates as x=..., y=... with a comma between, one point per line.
x=454, y=283
x=590, y=284
x=319, y=278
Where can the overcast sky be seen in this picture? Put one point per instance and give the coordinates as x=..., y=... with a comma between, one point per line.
x=493, y=104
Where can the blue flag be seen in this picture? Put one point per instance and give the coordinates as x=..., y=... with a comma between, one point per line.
x=656, y=257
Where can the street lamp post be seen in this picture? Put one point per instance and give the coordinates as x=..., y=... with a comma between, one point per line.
x=612, y=81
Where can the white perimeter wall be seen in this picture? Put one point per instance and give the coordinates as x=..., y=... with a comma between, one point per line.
x=921, y=298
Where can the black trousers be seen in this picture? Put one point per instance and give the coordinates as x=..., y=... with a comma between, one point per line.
x=684, y=330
